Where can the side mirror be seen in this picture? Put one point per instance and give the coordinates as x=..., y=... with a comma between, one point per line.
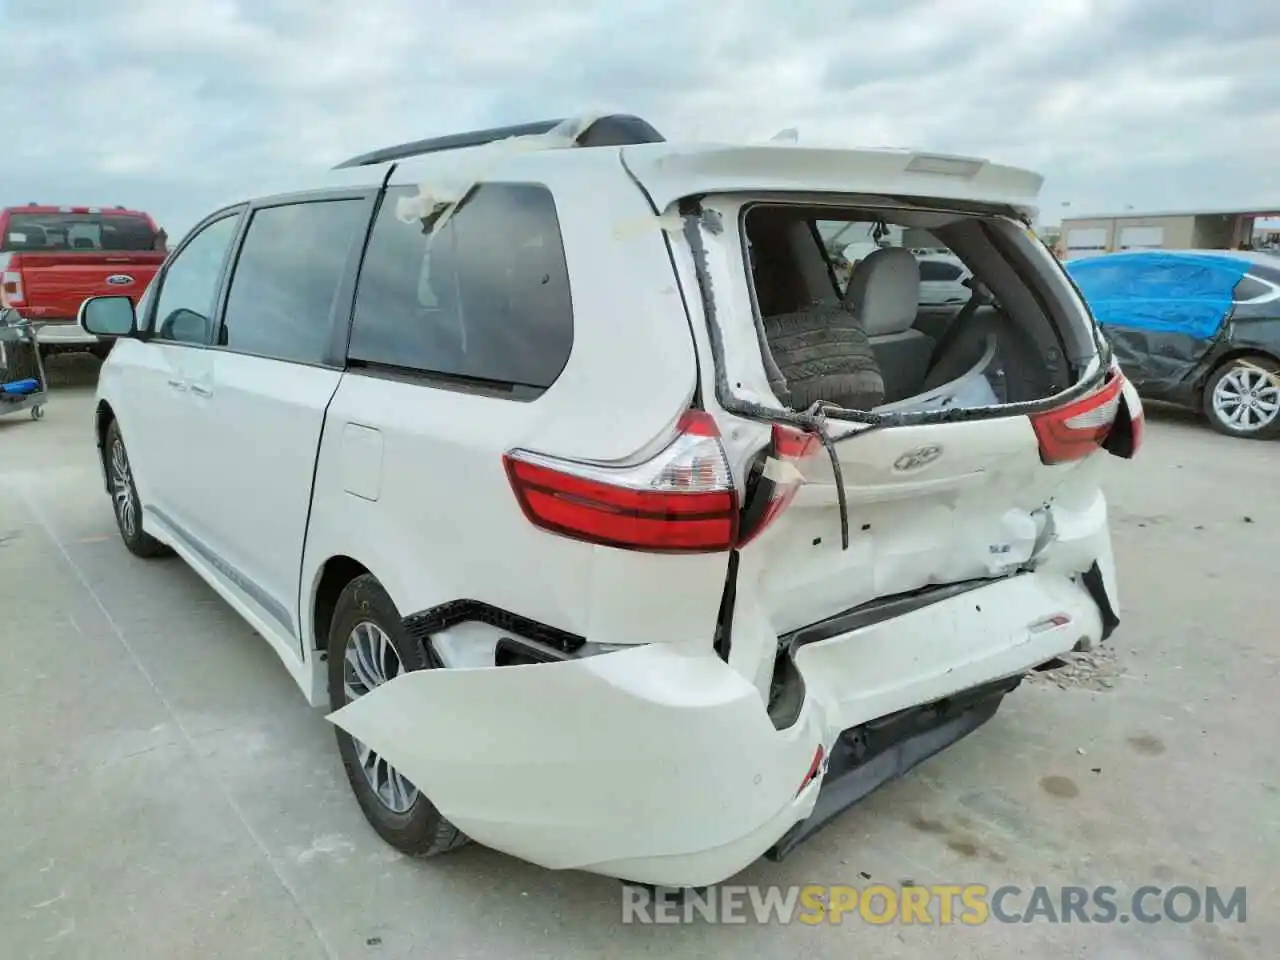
x=108, y=317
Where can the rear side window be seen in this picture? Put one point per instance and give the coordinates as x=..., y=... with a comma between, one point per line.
x=88, y=232
x=1250, y=289
x=287, y=277
x=485, y=297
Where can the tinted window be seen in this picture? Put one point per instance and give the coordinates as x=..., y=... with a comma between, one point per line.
x=936, y=270
x=189, y=288
x=484, y=297
x=77, y=231
x=287, y=276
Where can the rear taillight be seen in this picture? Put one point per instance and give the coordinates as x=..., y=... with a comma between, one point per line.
x=1126, y=436
x=11, y=288
x=682, y=500
x=815, y=768
x=782, y=476
x=1078, y=429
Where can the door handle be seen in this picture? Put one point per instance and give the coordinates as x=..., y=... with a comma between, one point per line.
x=177, y=385
x=200, y=391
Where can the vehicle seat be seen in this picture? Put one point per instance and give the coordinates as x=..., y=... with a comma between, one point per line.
x=35, y=238
x=82, y=243
x=884, y=294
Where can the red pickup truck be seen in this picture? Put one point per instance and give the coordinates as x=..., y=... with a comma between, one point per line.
x=53, y=258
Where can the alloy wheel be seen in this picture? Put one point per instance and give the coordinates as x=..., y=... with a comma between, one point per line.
x=122, y=490
x=370, y=660
x=1246, y=399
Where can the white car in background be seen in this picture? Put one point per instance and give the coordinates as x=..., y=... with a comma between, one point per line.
x=942, y=281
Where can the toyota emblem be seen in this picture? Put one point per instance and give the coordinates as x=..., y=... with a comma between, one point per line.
x=917, y=458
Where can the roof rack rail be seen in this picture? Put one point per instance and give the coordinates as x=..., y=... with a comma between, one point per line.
x=615, y=130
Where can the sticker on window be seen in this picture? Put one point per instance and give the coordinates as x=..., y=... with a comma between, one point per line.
x=17, y=238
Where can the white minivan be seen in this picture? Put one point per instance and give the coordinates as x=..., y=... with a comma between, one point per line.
x=612, y=529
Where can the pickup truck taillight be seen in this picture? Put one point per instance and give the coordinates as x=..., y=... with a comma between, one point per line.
x=681, y=500
x=11, y=288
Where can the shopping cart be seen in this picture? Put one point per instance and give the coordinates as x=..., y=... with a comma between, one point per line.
x=22, y=381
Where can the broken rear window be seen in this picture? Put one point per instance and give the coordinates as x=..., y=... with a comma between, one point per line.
x=874, y=308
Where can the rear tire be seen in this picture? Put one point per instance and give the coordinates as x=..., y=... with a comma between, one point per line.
x=365, y=619
x=824, y=354
x=125, y=502
x=1241, y=400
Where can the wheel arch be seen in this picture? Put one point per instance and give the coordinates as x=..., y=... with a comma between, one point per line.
x=103, y=417
x=1235, y=353
x=333, y=576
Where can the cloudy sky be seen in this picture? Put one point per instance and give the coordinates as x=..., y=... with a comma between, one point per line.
x=176, y=106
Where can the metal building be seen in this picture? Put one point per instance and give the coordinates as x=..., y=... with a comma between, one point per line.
x=1175, y=230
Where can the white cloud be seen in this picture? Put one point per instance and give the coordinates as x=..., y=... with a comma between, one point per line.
x=176, y=107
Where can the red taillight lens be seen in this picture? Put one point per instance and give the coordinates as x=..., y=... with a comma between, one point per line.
x=1078, y=429
x=680, y=501
x=815, y=768
x=1126, y=436
x=10, y=288
x=789, y=447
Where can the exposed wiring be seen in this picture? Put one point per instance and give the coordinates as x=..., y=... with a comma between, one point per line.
x=813, y=423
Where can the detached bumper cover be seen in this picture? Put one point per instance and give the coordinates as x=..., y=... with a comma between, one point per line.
x=659, y=764
x=645, y=753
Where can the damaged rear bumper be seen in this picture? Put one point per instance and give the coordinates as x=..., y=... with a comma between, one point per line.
x=659, y=764
x=867, y=757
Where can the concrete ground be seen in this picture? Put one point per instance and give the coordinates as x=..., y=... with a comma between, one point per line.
x=165, y=792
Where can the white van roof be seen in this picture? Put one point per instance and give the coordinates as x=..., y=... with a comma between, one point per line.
x=670, y=170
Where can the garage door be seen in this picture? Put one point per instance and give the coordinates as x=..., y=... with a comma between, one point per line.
x=1141, y=238
x=1082, y=241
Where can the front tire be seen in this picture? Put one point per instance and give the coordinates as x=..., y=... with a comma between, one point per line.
x=125, y=502
x=368, y=646
x=1242, y=398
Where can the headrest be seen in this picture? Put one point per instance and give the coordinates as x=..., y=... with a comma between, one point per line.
x=884, y=291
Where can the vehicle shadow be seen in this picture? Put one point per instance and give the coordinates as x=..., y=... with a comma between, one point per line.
x=1171, y=413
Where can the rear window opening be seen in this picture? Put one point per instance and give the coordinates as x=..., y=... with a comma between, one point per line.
x=909, y=310
x=78, y=232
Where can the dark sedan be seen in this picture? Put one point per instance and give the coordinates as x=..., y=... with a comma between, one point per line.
x=1200, y=328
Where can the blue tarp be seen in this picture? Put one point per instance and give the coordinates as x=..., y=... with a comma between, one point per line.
x=1160, y=291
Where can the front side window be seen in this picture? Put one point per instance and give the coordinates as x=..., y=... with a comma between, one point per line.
x=189, y=288
x=485, y=297
x=287, y=276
